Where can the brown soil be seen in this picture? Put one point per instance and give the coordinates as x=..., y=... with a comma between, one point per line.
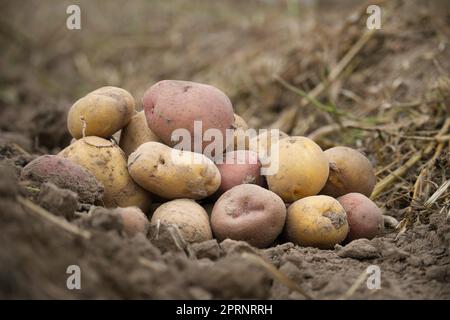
x=395, y=89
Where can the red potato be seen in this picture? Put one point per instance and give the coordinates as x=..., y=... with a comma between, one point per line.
x=171, y=105
x=65, y=174
x=364, y=217
x=134, y=220
x=239, y=167
x=250, y=213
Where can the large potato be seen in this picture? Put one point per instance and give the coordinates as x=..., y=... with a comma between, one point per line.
x=239, y=167
x=173, y=174
x=65, y=174
x=190, y=218
x=250, y=213
x=106, y=161
x=302, y=169
x=364, y=217
x=350, y=171
x=136, y=133
x=171, y=105
x=316, y=221
x=102, y=112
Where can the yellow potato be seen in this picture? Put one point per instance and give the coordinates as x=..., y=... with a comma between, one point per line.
x=101, y=113
x=134, y=220
x=136, y=133
x=262, y=144
x=240, y=137
x=350, y=171
x=106, y=161
x=302, y=169
x=316, y=221
x=173, y=174
x=190, y=218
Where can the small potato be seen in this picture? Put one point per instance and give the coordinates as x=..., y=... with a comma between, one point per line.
x=262, y=144
x=102, y=112
x=350, y=171
x=316, y=221
x=106, y=161
x=302, y=169
x=173, y=174
x=239, y=167
x=250, y=213
x=190, y=218
x=171, y=105
x=134, y=220
x=65, y=174
x=136, y=133
x=240, y=136
x=364, y=217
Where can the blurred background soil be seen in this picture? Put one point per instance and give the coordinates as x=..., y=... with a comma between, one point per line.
x=384, y=92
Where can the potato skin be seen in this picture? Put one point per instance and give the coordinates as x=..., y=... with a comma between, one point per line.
x=190, y=218
x=250, y=213
x=262, y=144
x=136, y=133
x=364, y=217
x=105, y=111
x=172, y=104
x=316, y=221
x=106, y=161
x=173, y=174
x=239, y=167
x=303, y=169
x=65, y=174
x=350, y=171
x=240, y=137
x=134, y=220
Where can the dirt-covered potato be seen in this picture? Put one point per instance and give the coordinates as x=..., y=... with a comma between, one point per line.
x=302, y=169
x=316, y=221
x=190, y=218
x=172, y=104
x=107, y=162
x=65, y=174
x=250, y=213
x=136, y=133
x=350, y=171
x=101, y=112
x=171, y=173
x=134, y=220
x=364, y=217
x=239, y=167
x=240, y=136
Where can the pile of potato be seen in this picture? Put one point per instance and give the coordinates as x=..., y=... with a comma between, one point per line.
x=316, y=198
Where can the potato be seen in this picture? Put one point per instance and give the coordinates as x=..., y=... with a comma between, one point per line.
x=190, y=218
x=364, y=217
x=302, y=169
x=240, y=136
x=171, y=173
x=65, y=174
x=316, y=221
x=106, y=161
x=250, y=213
x=350, y=171
x=136, y=133
x=103, y=112
x=134, y=220
x=262, y=144
x=172, y=104
x=239, y=167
